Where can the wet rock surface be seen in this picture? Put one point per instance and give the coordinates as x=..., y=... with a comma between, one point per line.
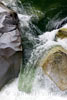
x=55, y=66
x=51, y=14
x=62, y=33
x=10, y=45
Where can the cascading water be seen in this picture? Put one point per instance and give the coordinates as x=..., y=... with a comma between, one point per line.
x=35, y=44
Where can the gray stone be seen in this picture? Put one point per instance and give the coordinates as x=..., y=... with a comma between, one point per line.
x=10, y=45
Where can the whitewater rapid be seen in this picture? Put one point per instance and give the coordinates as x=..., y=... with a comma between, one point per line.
x=43, y=88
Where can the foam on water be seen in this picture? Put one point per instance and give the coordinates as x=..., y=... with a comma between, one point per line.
x=43, y=88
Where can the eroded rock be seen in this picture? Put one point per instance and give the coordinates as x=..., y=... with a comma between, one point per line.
x=10, y=45
x=62, y=33
x=55, y=66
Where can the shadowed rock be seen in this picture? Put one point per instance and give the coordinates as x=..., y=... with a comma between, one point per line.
x=10, y=45
x=62, y=33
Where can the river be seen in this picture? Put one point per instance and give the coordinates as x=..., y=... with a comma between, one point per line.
x=35, y=38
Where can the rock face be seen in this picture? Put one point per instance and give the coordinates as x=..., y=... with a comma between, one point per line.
x=55, y=66
x=62, y=33
x=10, y=45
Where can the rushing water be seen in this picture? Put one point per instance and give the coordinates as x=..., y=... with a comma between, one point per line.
x=35, y=42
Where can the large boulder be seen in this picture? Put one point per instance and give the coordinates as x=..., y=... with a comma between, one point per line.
x=10, y=45
x=55, y=66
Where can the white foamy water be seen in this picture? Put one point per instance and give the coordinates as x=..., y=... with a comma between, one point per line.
x=40, y=90
x=43, y=88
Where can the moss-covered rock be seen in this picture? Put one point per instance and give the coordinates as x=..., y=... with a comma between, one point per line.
x=62, y=33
